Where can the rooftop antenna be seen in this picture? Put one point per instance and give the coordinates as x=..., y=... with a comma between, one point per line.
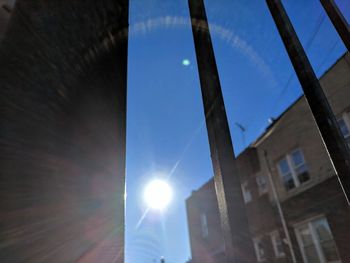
x=243, y=130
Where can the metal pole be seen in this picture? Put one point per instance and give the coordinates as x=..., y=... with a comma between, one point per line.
x=279, y=208
x=338, y=20
x=326, y=122
x=238, y=244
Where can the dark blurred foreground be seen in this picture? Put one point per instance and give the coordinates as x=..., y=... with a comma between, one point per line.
x=62, y=135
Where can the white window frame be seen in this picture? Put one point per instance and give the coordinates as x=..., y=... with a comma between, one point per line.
x=204, y=225
x=315, y=240
x=259, y=257
x=266, y=189
x=275, y=236
x=292, y=167
x=247, y=195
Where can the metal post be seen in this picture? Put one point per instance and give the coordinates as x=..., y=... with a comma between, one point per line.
x=338, y=20
x=238, y=244
x=326, y=122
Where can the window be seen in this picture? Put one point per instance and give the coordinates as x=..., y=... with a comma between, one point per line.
x=293, y=169
x=262, y=184
x=259, y=249
x=204, y=226
x=277, y=244
x=344, y=126
x=316, y=242
x=247, y=195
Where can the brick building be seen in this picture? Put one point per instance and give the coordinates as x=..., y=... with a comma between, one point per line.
x=296, y=209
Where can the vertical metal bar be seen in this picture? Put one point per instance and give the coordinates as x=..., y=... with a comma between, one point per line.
x=326, y=122
x=238, y=244
x=121, y=55
x=338, y=20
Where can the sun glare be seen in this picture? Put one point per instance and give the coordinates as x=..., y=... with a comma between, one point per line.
x=158, y=194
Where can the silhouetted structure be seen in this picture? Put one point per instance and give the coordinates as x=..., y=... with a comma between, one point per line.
x=62, y=109
x=235, y=225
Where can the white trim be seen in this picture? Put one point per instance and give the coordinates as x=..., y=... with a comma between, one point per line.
x=292, y=168
x=275, y=236
x=309, y=225
x=259, y=258
x=305, y=221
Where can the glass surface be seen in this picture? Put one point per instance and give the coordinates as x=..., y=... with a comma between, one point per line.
x=297, y=158
x=305, y=235
x=311, y=254
x=278, y=246
x=303, y=174
x=343, y=128
x=322, y=230
x=289, y=182
x=284, y=166
x=329, y=251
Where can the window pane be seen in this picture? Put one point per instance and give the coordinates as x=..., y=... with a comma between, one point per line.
x=302, y=173
x=288, y=182
x=297, y=158
x=306, y=237
x=280, y=248
x=286, y=174
x=284, y=167
x=343, y=128
x=330, y=251
x=311, y=254
x=259, y=249
x=277, y=244
x=323, y=231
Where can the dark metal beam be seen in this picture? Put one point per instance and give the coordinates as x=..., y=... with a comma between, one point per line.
x=338, y=20
x=325, y=120
x=238, y=244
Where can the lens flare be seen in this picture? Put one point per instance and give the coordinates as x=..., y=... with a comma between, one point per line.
x=186, y=62
x=158, y=194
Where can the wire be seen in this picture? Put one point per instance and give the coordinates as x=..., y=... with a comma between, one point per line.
x=319, y=23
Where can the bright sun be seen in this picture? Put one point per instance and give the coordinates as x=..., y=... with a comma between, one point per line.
x=157, y=194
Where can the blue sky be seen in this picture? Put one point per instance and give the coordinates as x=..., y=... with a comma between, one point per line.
x=165, y=125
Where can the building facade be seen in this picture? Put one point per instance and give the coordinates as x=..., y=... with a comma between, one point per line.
x=296, y=209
